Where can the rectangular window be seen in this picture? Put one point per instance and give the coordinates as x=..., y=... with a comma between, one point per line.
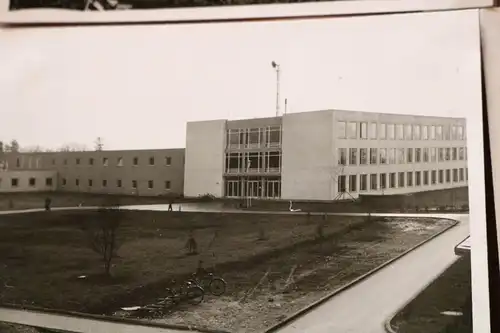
x=382, y=134
x=400, y=155
x=425, y=133
x=425, y=157
x=363, y=156
x=65, y=162
x=48, y=182
x=105, y=161
x=363, y=182
x=400, y=134
x=439, y=132
x=446, y=132
x=64, y=181
x=135, y=161
x=14, y=182
x=341, y=184
x=461, y=173
x=418, y=180
x=454, y=153
x=416, y=132
x=150, y=184
x=32, y=182
x=383, y=181
x=461, y=153
x=418, y=155
x=134, y=184
x=383, y=156
x=433, y=177
x=352, y=130
x=460, y=133
x=353, y=156
x=391, y=132
x=392, y=180
x=119, y=161
x=433, y=154
x=168, y=160
x=363, y=130
x=104, y=183
x=118, y=183
x=373, y=181
x=233, y=140
x=167, y=185
x=90, y=182
x=447, y=155
x=409, y=155
x=409, y=179
x=426, y=177
x=448, y=175
x=454, y=132
x=408, y=132
x=401, y=179
x=392, y=155
x=373, y=131
x=341, y=129
x=466, y=174
x=342, y=156
x=441, y=177
x=91, y=161
x=441, y=154
x=455, y=175
x=77, y=161
x=433, y=132
x=352, y=183
x=373, y=155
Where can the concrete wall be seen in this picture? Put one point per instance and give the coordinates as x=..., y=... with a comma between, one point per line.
x=204, y=167
x=73, y=166
x=23, y=181
x=307, y=158
x=368, y=169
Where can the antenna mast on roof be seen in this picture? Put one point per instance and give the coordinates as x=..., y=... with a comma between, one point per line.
x=286, y=104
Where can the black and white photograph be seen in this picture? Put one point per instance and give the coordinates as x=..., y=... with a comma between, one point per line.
x=316, y=176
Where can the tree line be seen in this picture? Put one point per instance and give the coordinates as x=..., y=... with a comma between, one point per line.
x=14, y=147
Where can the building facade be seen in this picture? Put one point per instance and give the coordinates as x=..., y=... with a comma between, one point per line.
x=325, y=155
x=138, y=172
x=28, y=181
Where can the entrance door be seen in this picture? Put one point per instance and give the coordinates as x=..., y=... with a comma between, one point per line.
x=254, y=188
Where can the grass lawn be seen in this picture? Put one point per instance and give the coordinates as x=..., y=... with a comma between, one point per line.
x=42, y=255
x=449, y=292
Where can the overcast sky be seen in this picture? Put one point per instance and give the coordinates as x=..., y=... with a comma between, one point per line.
x=137, y=86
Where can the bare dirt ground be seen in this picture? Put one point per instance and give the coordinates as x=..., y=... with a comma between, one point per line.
x=321, y=267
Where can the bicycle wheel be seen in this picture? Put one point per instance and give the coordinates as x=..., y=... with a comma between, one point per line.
x=217, y=286
x=169, y=300
x=195, y=295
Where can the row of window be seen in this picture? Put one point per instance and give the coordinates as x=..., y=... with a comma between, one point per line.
x=253, y=161
x=381, y=181
x=32, y=182
x=390, y=131
x=363, y=156
x=118, y=183
x=90, y=161
x=269, y=136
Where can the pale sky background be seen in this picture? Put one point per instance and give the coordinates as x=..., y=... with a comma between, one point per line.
x=137, y=86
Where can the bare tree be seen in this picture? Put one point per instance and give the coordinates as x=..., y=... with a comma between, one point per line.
x=72, y=147
x=102, y=235
x=99, y=144
x=14, y=146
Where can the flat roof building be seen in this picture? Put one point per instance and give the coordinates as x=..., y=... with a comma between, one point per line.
x=138, y=172
x=325, y=155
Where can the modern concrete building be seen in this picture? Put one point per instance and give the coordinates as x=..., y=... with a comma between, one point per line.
x=325, y=155
x=139, y=172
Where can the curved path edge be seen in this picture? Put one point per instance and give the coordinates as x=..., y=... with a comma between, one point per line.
x=351, y=284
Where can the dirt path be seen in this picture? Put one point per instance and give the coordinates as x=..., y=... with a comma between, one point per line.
x=320, y=267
